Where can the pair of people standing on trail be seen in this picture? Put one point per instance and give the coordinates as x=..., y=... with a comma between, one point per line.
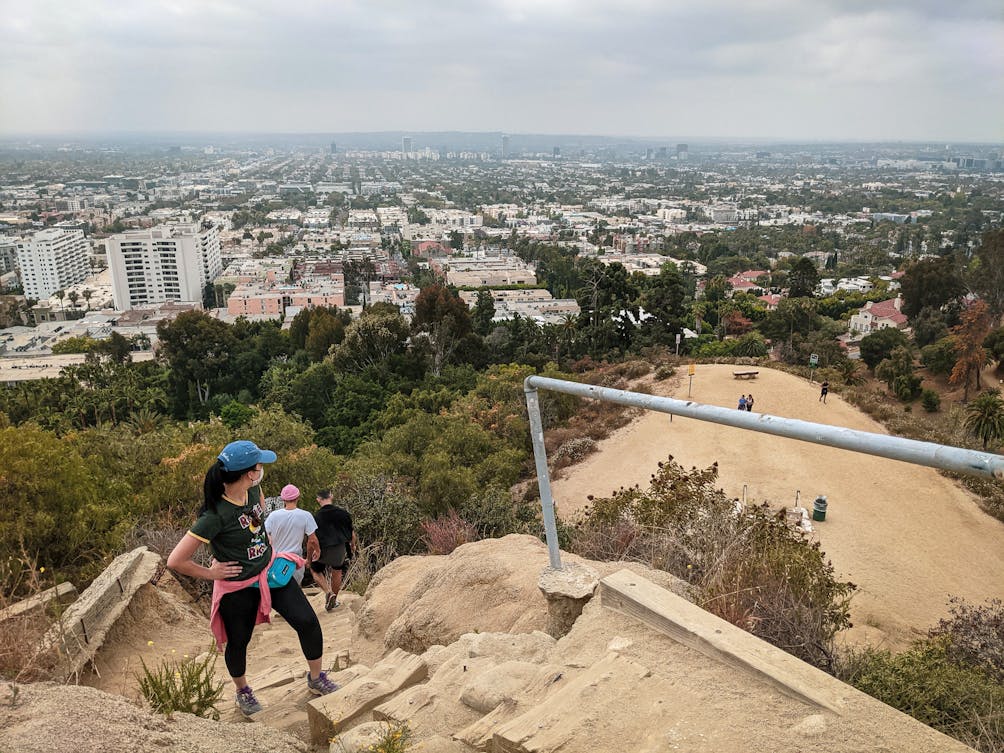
x=244, y=591
x=746, y=402
x=329, y=534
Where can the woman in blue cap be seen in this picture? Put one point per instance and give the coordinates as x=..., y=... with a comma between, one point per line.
x=230, y=522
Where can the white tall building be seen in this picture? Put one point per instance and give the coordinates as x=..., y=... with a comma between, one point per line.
x=163, y=263
x=52, y=260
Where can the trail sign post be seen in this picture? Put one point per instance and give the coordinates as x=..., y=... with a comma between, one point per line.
x=813, y=362
x=690, y=372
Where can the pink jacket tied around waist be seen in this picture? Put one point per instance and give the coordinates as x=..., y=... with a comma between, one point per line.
x=223, y=587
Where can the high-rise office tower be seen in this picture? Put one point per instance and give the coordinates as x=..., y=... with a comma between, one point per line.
x=334, y=147
x=163, y=263
x=406, y=145
x=51, y=260
x=556, y=152
x=682, y=151
x=505, y=146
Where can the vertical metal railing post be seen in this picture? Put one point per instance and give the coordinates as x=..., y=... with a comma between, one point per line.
x=543, y=477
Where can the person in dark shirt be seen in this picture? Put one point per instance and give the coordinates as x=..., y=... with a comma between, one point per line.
x=230, y=524
x=338, y=543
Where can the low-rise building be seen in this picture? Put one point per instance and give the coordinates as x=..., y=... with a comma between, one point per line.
x=874, y=316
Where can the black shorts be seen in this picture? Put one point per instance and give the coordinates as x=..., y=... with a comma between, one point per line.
x=331, y=556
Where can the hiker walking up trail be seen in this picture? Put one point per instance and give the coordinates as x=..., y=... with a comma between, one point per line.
x=742, y=402
x=824, y=389
x=287, y=528
x=245, y=570
x=338, y=542
x=749, y=403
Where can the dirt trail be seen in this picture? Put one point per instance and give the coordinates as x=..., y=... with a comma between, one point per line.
x=908, y=537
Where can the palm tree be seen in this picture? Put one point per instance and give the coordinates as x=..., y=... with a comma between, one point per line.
x=985, y=417
x=74, y=296
x=60, y=294
x=87, y=297
x=145, y=421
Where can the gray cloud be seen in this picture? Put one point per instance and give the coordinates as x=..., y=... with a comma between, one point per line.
x=893, y=69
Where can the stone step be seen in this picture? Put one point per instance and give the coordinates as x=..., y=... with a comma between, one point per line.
x=590, y=712
x=332, y=713
x=63, y=593
x=502, y=694
x=86, y=622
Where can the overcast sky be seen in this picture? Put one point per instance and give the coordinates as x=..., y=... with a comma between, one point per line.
x=785, y=69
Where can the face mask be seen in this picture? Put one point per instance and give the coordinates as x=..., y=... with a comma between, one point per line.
x=261, y=475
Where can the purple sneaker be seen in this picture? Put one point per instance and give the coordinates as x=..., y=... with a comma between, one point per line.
x=246, y=702
x=321, y=685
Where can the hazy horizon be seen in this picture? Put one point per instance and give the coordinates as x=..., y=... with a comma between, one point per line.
x=830, y=71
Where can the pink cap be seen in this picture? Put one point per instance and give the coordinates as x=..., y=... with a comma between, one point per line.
x=289, y=493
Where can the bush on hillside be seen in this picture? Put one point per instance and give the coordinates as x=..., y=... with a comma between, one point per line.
x=931, y=400
x=975, y=635
x=878, y=346
x=939, y=357
x=747, y=564
x=928, y=684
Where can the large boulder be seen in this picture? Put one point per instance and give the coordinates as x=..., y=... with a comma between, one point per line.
x=488, y=586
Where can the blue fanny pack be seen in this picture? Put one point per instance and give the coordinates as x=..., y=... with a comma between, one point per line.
x=280, y=573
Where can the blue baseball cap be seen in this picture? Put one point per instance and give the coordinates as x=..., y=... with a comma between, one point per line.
x=242, y=454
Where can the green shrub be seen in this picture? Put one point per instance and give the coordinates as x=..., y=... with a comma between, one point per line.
x=906, y=386
x=189, y=686
x=924, y=682
x=574, y=450
x=396, y=739
x=939, y=357
x=930, y=400
x=235, y=414
x=748, y=565
x=665, y=371
x=975, y=635
x=632, y=369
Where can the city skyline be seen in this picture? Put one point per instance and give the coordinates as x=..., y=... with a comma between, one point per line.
x=776, y=70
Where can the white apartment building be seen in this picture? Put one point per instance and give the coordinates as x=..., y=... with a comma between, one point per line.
x=52, y=260
x=163, y=263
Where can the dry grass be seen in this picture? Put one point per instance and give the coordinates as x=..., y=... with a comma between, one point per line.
x=22, y=658
x=445, y=533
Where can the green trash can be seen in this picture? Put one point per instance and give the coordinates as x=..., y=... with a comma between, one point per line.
x=819, y=508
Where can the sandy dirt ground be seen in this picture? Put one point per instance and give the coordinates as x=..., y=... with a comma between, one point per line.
x=908, y=537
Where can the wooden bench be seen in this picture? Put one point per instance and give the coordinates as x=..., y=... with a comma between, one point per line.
x=745, y=374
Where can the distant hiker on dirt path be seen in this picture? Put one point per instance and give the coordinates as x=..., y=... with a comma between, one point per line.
x=230, y=522
x=288, y=527
x=823, y=391
x=749, y=403
x=338, y=544
x=742, y=402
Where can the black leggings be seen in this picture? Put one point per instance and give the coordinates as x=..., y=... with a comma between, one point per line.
x=238, y=611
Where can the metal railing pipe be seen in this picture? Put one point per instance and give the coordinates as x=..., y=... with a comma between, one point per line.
x=543, y=476
x=934, y=455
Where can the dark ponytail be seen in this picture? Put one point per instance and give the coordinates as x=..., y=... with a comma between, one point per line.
x=212, y=487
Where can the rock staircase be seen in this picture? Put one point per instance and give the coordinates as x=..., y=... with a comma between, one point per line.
x=640, y=670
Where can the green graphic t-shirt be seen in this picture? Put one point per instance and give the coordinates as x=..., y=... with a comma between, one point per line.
x=236, y=533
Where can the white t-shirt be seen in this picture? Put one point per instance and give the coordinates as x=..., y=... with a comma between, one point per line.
x=288, y=527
